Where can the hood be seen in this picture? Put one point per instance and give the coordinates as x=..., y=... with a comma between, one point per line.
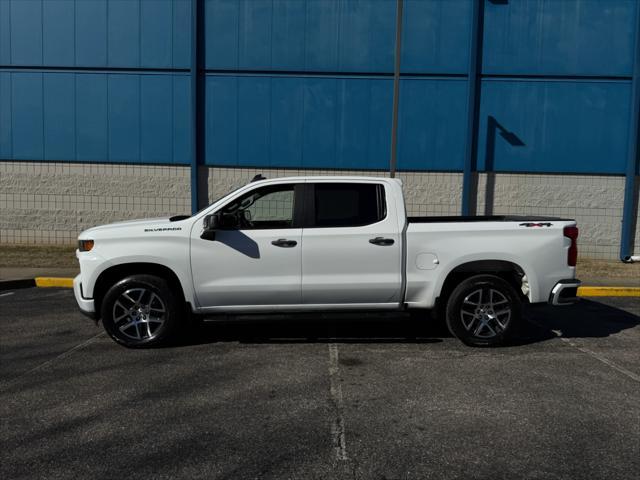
x=145, y=222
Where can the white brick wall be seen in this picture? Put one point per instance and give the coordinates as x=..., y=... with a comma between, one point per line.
x=47, y=202
x=595, y=201
x=44, y=202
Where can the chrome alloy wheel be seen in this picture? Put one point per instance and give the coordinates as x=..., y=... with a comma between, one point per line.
x=139, y=313
x=485, y=312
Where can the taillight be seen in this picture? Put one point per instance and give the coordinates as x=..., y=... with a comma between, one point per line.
x=572, y=256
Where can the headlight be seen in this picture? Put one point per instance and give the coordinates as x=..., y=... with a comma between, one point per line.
x=85, y=245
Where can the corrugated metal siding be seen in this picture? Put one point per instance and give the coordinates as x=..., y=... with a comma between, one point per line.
x=435, y=36
x=320, y=35
x=288, y=121
x=559, y=37
x=95, y=33
x=551, y=126
x=432, y=124
x=136, y=118
x=306, y=83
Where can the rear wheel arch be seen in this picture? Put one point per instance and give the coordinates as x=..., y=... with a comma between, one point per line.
x=114, y=274
x=511, y=272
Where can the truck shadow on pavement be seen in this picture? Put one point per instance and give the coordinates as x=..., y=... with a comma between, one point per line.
x=587, y=318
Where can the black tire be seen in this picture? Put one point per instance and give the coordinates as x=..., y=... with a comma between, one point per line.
x=483, y=311
x=141, y=311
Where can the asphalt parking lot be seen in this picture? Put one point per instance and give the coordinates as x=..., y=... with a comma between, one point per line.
x=385, y=398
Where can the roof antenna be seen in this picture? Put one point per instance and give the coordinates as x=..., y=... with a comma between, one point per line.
x=257, y=178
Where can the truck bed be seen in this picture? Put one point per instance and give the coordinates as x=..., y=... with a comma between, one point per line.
x=484, y=218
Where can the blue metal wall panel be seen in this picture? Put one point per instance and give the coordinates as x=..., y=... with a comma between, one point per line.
x=254, y=116
x=367, y=35
x=157, y=119
x=26, y=31
x=222, y=17
x=95, y=33
x=182, y=119
x=98, y=117
x=92, y=143
x=435, y=36
x=156, y=27
x=255, y=35
x=287, y=30
x=91, y=33
x=320, y=35
x=5, y=33
x=432, y=124
x=181, y=36
x=319, y=121
x=566, y=37
x=221, y=120
x=124, y=117
x=364, y=123
x=57, y=32
x=286, y=121
x=554, y=126
x=322, y=121
x=59, y=116
x=123, y=25
x=27, y=116
x=5, y=116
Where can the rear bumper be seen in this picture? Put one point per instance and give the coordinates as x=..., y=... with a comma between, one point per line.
x=86, y=305
x=565, y=292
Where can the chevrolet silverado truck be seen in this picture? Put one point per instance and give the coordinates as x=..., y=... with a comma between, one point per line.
x=334, y=243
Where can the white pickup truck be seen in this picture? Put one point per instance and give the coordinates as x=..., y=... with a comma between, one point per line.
x=322, y=244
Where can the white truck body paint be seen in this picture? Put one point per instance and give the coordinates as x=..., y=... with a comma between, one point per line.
x=329, y=268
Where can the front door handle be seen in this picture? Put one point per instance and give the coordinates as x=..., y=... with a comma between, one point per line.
x=382, y=241
x=284, y=243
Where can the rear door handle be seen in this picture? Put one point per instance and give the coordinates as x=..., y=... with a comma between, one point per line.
x=284, y=243
x=382, y=241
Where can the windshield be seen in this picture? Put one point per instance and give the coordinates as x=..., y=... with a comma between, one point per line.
x=215, y=201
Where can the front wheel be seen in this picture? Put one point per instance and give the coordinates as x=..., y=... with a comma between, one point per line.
x=140, y=311
x=483, y=311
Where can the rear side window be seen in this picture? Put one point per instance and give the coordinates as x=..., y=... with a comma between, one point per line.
x=348, y=204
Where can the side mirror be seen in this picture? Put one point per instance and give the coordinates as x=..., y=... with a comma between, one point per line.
x=210, y=224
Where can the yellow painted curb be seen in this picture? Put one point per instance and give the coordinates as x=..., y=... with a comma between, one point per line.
x=54, y=282
x=609, y=291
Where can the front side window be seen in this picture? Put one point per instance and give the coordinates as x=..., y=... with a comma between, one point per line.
x=268, y=207
x=348, y=204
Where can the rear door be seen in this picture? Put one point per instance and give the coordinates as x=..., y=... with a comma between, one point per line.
x=351, y=245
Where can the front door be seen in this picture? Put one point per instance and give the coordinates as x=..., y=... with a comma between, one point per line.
x=256, y=259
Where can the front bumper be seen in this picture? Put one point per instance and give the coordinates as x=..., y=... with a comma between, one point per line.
x=565, y=292
x=86, y=305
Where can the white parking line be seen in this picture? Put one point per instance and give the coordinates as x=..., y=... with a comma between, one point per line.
x=599, y=357
x=591, y=353
x=59, y=357
x=337, y=422
x=6, y=294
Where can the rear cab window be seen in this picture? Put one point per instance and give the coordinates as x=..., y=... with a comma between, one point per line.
x=345, y=205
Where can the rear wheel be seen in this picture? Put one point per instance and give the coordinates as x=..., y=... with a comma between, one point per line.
x=140, y=311
x=483, y=311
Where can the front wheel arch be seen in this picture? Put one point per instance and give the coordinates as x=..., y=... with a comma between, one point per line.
x=114, y=274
